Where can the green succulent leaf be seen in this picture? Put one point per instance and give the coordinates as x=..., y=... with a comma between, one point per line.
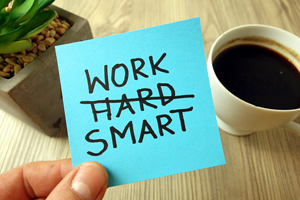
x=11, y=36
x=6, y=29
x=4, y=18
x=14, y=47
x=4, y=3
x=44, y=4
x=38, y=24
x=22, y=10
x=31, y=12
x=17, y=3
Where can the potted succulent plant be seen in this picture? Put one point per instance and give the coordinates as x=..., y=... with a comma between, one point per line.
x=29, y=79
x=21, y=21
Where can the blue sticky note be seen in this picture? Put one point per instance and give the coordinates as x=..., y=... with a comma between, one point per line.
x=139, y=103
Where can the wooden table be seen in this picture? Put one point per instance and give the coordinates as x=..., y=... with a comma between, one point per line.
x=264, y=165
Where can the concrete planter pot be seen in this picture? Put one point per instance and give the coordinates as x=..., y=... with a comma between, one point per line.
x=34, y=94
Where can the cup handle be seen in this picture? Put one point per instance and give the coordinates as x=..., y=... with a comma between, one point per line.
x=293, y=126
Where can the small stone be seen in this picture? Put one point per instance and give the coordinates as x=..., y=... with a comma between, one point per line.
x=28, y=59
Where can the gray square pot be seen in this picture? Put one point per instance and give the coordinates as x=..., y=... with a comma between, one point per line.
x=34, y=94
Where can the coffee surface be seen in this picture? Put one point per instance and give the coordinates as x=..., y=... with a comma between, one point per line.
x=259, y=76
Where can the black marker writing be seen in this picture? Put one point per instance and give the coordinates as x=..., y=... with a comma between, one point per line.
x=147, y=131
x=125, y=103
x=91, y=83
x=104, y=143
x=143, y=130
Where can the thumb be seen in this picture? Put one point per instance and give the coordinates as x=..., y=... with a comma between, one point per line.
x=87, y=181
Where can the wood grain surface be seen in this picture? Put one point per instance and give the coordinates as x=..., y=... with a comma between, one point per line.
x=264, y=165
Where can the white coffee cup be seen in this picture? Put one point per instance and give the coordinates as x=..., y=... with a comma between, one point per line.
x=236, y=116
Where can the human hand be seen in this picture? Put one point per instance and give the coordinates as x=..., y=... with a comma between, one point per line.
x=54, y=180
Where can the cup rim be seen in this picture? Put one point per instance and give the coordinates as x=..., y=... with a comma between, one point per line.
x=210, y=57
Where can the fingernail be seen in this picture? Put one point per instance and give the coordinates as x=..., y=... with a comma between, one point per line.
x=90, y=180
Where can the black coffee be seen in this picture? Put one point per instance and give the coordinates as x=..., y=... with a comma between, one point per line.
x=259, y=76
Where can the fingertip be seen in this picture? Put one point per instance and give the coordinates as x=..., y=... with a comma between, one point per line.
x=96, y=164
x=90, y=181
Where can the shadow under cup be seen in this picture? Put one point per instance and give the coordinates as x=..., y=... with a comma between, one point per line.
x=236, y=116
